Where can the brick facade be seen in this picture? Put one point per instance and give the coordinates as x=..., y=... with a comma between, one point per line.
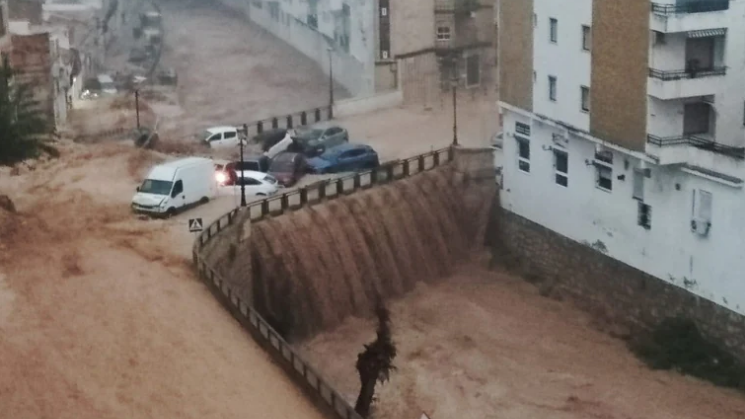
x=604, y=286
x=620, y=57
x=516, y=53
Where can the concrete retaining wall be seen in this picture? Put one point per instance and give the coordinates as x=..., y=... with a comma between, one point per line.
x=614, y=292
x=348, y=71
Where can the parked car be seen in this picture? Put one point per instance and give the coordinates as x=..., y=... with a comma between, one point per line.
x=269, y=138
x=288, y=168
x=254, y=183
x=175, y=186
x=217, y=137
x=344, y=158
x=313, y=141
x=226, y=172
x=282, y=145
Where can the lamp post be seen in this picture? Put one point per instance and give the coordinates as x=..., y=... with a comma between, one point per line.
x=331, y=81
x=137, y=107
x=454, y=87
x=244, y=135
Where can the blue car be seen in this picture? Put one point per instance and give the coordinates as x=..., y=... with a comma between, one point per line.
x=345, y=157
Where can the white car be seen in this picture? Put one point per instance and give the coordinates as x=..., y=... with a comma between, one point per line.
x=224, y=136
x=255, y=184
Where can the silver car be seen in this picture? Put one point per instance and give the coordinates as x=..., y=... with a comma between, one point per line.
x=313, y=141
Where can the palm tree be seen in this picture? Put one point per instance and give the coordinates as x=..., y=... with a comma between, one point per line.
x=375, y=363
x=21, y=122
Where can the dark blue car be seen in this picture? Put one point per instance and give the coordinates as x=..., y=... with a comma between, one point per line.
x=345, y=157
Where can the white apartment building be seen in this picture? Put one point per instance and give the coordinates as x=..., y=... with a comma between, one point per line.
x=624, y=129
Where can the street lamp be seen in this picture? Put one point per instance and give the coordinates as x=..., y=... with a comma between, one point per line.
x=241, y=139
x=331, y=80
x=137, y=107
x=454, y=85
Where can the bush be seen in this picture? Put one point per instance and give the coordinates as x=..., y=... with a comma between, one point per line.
x=677, y=344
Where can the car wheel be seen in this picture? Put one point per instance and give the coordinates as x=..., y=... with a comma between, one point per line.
x=261, y=194
x=204, y=200
x=170, y=212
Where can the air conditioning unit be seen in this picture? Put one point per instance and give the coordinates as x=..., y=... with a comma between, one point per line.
x=700, y=227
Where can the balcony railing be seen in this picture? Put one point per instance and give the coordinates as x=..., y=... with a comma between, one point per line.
x=698, y=142
x=669, y=75
x=700, y=6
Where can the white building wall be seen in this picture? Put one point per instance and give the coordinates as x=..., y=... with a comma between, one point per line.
x=565, y=59
x=708, y=266
x=729, y=94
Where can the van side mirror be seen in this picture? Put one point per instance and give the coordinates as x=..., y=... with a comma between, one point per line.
x=137, y=189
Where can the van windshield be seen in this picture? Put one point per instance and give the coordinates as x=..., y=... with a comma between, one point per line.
x=205, y=135
x=156, y=187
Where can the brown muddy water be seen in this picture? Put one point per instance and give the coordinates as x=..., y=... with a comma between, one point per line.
x=315, y=267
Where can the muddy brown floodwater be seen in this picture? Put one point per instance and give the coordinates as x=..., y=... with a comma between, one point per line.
x=485, y=345
x=231, y=71
x=101, y=315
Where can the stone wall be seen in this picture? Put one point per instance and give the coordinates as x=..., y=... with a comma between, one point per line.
x=613, y=291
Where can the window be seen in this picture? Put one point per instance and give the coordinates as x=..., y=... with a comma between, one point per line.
x=644, y=218
x=552, y=88
x=178, y=188
x=473, y=73
x=553, y=30
x=216, y=137
x=638, y=185
x=585, y=95
x=561, y=167
x=586, y=38
x=702, y=205
x=443, y=33
x=230, y=134
x=604, y=170
x=523, y=154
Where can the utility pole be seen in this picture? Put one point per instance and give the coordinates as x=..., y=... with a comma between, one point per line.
x=454, y=83
x=137, y=107
x=331, y=83
x=243, y=183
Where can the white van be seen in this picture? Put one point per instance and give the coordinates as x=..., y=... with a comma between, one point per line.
x=175, y=186
x=217, y=137
x=107, y=84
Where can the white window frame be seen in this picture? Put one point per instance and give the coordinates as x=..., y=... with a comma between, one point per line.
x=586, y=38
x=584, y=99
x=553, y=30
x=520, y=159
x=703, y=204
x=558, y=174
x=552, y=88
x=443, y=33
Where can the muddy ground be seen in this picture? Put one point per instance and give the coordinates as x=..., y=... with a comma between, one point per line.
x=485, y=345
x=101, y=315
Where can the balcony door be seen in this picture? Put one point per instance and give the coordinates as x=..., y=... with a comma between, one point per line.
x=700, y=54
x=696, y=118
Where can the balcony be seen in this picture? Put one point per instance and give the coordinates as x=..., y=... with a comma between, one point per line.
x=689, y=149
x=675, y=84
x=684, y=16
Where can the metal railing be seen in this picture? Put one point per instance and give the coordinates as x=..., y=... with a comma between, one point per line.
x=670, y=75
x=698, y=142
x=700, y=6
x=309, y=379
x=291, y=120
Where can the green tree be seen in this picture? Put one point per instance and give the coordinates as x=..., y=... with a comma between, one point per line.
x=375, y=363
x=22, y=124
